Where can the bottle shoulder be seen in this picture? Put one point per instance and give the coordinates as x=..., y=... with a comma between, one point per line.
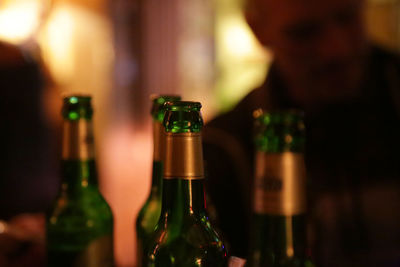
x=148, y=215
x=151, y=205
x=199, y=245
x=193, y=232
x=87, y=208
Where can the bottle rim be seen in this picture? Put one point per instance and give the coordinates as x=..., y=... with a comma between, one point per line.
x=158, y=103
x=77, y=98
x=77, y=106
x=182, y=105
x=259, y=113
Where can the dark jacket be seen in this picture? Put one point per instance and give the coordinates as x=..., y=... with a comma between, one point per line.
x=353, y=168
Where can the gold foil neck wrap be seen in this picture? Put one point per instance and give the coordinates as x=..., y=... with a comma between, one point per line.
x=78, y=141
x=183, y=156
x=158, y=132
x=280, y=184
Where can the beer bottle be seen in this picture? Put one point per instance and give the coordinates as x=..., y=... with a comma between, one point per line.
x=150, y=212
x=279, y=204
x=184, y=236
x=79, y=227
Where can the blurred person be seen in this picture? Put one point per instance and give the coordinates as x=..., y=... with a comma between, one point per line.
x=28, y=168
x=349, y=89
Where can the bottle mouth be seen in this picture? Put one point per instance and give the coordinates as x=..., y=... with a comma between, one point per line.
x=182, y=117
x=279, y=130
x=77, y=106
x=76, y=98
x=182, y=106
x=161, y=99
x=279, y=116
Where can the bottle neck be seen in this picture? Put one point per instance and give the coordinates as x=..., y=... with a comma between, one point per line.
x=78, y=141
x=280, y=203
x=183, y=157
x=78, y=175
x=182, y=198
x=282, y=237
x=280, y=184
x=183, y=186
x=78, y=165
x=158, y=150
x=157, y=140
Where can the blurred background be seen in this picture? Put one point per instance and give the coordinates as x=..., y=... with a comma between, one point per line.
x=121, y=51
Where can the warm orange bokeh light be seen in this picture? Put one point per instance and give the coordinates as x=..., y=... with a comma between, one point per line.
x=19, y=20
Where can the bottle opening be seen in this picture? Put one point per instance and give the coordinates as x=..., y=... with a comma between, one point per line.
x=182, y=106
x=285, y=117
x=158, y=109
x=279, y=131
x=77, y=107
x=183, y=117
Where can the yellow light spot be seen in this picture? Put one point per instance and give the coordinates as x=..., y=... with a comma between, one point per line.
x=53, y=219
x=67, y=41
x=290, y=252
x=89, y=223
x=241, y=60
x=3, y=227
x=237, y=39
x=257, y=113
x=19, y=20
x=198, y=262
x=84, y=183
x=288, y=138
x=57, y=41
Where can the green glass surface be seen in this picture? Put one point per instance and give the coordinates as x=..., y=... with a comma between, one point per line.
x=279, y=241
x=157, y=109
x=150, y=212
x=183, y=117
x=270, y=244
x=79, y=226
x=77, y=107
x=184, y=236
x=279, y=131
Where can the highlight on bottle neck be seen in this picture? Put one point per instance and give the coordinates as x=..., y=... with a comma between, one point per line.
x=76, y=107
x=280, y=175
x=279, y=131
x=158, y=112
x=183, y=117
x=158, y=108
x=78, y=141
x=183, y=156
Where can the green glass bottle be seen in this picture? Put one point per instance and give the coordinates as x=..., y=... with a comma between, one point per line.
x=79, y=227
x=279, y=204
x=150, y=212
x=184, y=236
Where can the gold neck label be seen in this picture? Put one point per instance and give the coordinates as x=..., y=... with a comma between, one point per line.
x=158, y=132
x=183, y=156
x=280, y=184
x=78, y=141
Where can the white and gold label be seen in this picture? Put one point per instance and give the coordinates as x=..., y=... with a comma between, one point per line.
x=78, y=141
x=183, y=156
x=280, y=184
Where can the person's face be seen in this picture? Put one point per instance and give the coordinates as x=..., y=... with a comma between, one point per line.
x=318, y=45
